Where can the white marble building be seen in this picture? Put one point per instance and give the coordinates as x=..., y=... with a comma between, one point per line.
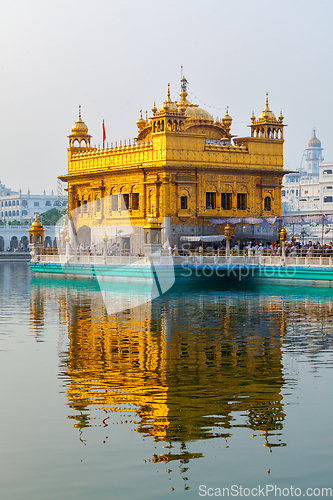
x=16, y=237
x=311, y=190
x=16, y=205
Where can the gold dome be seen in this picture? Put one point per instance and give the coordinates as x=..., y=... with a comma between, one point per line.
x=168, y=105
x=193, y=112
x=141, y=123
x=227, y=120
x=267, y=115
x=36, y=222
x=79, y=126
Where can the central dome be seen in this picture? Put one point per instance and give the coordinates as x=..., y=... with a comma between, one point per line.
x=195, y=113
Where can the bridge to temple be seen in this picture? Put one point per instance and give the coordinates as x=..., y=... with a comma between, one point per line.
x=312, y=266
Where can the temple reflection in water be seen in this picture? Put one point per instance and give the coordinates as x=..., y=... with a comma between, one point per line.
x=191, y=365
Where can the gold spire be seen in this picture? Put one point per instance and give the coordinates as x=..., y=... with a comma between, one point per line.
x=227, y=120
x=183, y=93
x=79, y=111
x=267, y=107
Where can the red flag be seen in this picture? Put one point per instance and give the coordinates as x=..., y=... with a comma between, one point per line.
x=104, y=133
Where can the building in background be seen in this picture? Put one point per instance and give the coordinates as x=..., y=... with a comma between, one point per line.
x=15, y=205
x=311, y=190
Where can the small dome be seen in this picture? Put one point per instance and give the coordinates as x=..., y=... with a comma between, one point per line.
x=267, y=115
x=36, y=222
x=314, y=142
x=141, y=122
x=168, y=105
x=79, y=126
x=227, y=120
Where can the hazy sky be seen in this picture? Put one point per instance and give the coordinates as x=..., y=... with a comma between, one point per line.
x=115, y=58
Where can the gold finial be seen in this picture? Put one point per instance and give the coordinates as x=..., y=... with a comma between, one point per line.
x=141, y=114
x=168, y=91
x=226, y=111
x=154, y=109
x=79, y=111
x=146, y=115
x=267, y=108
x=183, y=86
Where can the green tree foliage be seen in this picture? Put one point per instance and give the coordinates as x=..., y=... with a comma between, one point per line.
x=51, y=217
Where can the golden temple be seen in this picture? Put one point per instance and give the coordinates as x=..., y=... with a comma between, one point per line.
x=184, y=168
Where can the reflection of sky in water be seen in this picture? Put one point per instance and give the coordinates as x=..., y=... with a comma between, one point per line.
x=195, y=372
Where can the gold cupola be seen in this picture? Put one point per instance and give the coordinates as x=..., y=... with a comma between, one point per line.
x=79, y=138
x=267, y=115
x=267, y=126
x=141, y=123
x=227, y=120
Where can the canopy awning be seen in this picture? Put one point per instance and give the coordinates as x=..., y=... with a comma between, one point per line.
x=286, y=219
x=210, y=238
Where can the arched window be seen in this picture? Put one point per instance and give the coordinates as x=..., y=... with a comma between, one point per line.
x=268, y=204
x=48, y=203
x=327, y=172
x=24, y=212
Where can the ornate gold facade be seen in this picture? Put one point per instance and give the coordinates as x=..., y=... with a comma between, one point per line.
x=183, y=168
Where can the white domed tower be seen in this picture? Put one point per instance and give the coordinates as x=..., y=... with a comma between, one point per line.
x=313, y=155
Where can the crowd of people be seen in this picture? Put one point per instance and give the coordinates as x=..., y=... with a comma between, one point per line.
x=253, y=248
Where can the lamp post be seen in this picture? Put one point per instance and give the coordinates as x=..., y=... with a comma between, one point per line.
x=227, y=235
x=67, y=240
x=283, y=237
x=105, y=241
